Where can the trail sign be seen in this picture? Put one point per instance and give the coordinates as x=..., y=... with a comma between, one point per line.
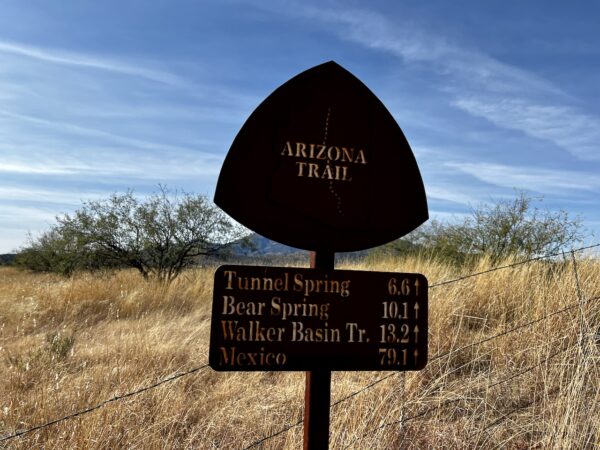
x=322, y=165
x=285, y=318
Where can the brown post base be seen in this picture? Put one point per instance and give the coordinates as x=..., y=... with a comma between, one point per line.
x=317, y=394
x=316, y=410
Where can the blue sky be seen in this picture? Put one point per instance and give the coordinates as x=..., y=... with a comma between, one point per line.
x=97, y=97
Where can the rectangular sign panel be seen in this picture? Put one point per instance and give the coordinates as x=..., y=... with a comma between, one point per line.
x=286, y=318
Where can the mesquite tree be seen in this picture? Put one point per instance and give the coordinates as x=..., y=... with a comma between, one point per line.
x=159, y=236
x=497, y=230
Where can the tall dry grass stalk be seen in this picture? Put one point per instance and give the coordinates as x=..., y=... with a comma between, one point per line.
x=67, y=344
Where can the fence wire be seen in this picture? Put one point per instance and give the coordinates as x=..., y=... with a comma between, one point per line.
x=579, y=303
x=433, y=359
x=443, y=283
x=116, y=398
x=515, y=264
x=520, y=373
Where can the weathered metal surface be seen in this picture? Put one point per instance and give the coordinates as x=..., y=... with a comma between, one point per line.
x=322, y=165
x=285, y=318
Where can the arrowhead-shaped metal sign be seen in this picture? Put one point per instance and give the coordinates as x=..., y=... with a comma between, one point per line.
x=322, y=165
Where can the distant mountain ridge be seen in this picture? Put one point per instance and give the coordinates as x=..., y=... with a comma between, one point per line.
x=7, y=258
x=259, y=246
x=262, y=246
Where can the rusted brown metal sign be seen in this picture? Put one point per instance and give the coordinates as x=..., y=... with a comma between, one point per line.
x=322, y=165
x=285, y=318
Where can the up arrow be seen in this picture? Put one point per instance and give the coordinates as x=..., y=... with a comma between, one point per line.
x=416, y=310
x=416, y=330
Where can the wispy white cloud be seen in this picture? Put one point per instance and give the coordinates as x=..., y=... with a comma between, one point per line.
x=89, y=61
x=113, y=163
x=12, y=239
x=33, y=168
x=449, y=193
x=412, y=43
x=16, y=222
x=16, y=216
x=445, y=216
x=194, y=78
x=479, y=84
x=530, y=178
x=65, y=127
x=46, y=196
x=56, y=152
x=564, y=126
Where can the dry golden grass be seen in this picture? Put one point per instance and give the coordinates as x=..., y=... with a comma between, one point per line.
x=68, y=344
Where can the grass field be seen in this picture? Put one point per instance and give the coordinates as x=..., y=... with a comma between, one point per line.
x=514, y=363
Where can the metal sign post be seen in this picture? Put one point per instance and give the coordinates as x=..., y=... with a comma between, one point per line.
x=316, y=410
x=317, y=393
x=320, y=165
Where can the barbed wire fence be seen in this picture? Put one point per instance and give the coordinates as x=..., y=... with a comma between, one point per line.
x=116, y=398
x=433, y=359
x=584, y=327
x=579, y=303
x=457, y=399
